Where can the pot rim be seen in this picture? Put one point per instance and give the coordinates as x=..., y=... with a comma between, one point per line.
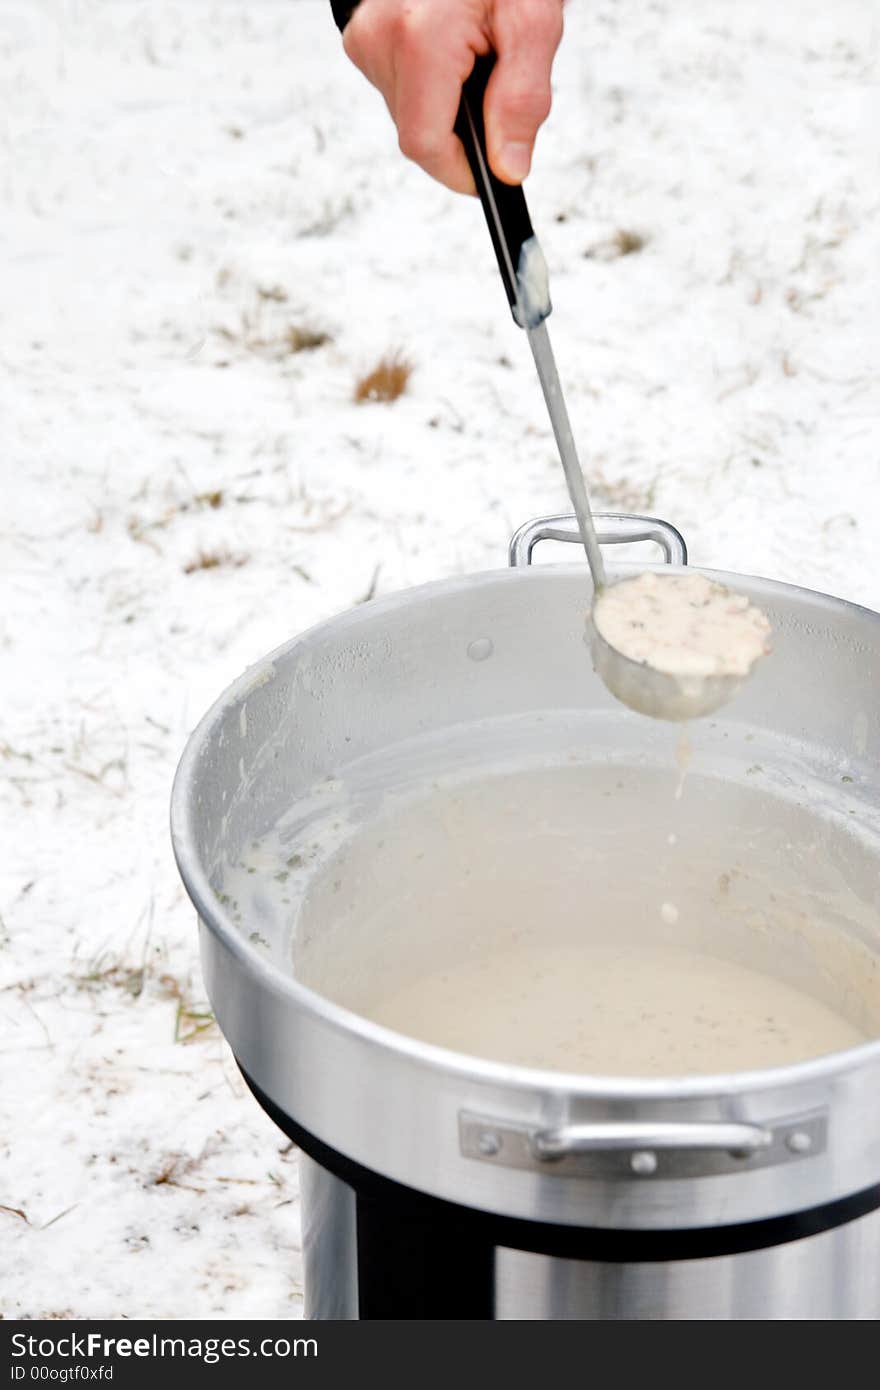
x=578, y=1085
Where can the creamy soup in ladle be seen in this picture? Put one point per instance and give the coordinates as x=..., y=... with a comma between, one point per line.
x=675, y=646
x=684, y=625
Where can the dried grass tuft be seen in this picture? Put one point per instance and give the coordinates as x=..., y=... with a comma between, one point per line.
x=106, y=972
x=385, y=382
x=624, y=242
x=298, y=339
x=213, y=499
x=275, y=346
x=215, y=559
x=621, y=494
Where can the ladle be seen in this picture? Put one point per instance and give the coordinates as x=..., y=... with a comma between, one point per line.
x=524, y=273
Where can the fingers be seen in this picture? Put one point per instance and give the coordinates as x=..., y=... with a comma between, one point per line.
x=418, y=54
x=526, y=37
x=428, y=77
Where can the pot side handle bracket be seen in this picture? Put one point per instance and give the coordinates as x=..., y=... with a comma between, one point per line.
x=612, y=528
x=650, y=1149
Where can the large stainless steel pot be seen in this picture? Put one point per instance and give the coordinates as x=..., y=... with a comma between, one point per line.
x=474, y=1188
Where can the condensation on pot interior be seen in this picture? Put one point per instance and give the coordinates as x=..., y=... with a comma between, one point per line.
x=516, y=890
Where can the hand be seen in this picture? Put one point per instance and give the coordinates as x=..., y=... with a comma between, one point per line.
x=420, y=52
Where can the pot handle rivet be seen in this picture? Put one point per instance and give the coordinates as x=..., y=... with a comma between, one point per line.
x=799, y=1142
x=643, y=1162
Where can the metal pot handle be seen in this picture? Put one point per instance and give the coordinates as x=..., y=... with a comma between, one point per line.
x=643, y=1149
x=612, y=528
x=641, y=1143
x=552, y=1144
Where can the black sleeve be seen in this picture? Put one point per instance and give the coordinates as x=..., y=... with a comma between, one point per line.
x=343, y=11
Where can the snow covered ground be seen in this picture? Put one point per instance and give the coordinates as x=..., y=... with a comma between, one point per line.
x=194, y=192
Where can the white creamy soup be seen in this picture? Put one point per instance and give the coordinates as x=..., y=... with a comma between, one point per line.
x=572, y=912
x=632, y=1010
x=683, y=625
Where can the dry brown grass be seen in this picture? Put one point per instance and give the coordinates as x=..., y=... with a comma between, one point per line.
x=192, y=1018
x=385, y=382
x=214, y=559
x=624, y=242
x=299, y=339
x=212, y=499
x=176, y=1165
x=276, y=346
x=628, y=242
x=16, y=1211
x=107, y=973
x=621, y=494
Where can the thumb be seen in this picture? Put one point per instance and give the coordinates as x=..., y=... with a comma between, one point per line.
x=518, y=95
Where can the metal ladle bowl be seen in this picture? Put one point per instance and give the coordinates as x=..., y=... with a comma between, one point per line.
x=656, y=693
x=638, y=686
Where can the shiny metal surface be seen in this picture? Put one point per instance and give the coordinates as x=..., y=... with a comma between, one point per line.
x=650, y=1150
x=387, y=671
x=611, y=529
x=551, y=1145
x=545, y=362
x=329, y=1243
x=655, y=693
x=835, y=1275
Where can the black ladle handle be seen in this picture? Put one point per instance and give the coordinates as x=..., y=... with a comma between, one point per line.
x=504, y=204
